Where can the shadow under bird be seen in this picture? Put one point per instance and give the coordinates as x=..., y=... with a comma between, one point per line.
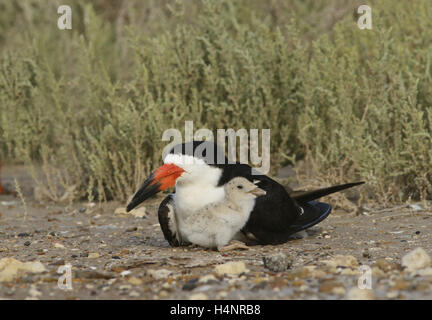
x=199, y=171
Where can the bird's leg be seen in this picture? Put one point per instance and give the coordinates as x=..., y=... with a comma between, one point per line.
x=233, y=245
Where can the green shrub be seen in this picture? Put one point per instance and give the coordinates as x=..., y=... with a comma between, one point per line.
x=92, y=103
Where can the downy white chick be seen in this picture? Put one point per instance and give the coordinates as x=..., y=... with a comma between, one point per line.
x=216, y=224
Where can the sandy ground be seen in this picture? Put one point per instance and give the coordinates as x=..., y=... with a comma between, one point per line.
x=115, y=256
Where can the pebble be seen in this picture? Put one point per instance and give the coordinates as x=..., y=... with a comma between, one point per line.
x=93, y=255
x=278, y=262
x=231, y=268
x=198, y=296
x=416, y=207
x=159, y=274
x=360, y=294
x=139, y=212
x=33, y=292
x=23, y=234
x=190, y=285
x=366, y=253
x=27, y=243
x=135, y=281
x=425, y=272
x=121, y=210
x=59, y=245
x=207, y=279
x=10, y=268
x=312, y=271
x=385, y=265
x=416, y=259
x=392, y=294
x=377, y=272
x=125, y=287
x=342, y=261
x=134, y=294
x=57, y=263
x=331, y=286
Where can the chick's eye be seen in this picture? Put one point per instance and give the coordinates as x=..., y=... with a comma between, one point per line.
x=239, y=187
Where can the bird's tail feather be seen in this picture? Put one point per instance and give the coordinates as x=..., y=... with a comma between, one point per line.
x=313, y=213
x=306, y=196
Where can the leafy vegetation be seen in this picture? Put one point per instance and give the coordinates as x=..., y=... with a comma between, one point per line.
x=91, y=103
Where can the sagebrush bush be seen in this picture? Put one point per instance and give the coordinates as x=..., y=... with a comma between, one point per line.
x=92, y=103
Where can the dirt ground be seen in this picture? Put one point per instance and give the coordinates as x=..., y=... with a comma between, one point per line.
x=117, y=256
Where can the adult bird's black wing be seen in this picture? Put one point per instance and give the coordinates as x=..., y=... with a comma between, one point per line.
x=277, y=215
x=168, y=221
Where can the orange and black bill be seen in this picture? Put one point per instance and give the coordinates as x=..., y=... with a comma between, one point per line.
x=163, y=178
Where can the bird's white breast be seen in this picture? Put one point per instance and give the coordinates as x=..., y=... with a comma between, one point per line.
x=197, y=186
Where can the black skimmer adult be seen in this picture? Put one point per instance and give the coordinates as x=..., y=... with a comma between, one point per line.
x=216, y=224
x=199, y=171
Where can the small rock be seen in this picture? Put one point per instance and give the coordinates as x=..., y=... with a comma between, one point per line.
x=190, y=285
x=392, y=294
x=330, y=286
x=134, y=294
x=349, y=272
x=33, y=292
x=416, y=207
x=59, y=245
x=231, y=268
x=208, y=279
x=400, y=285
x=377, y=272
x=139, y=212
x=342, y=261
x=125, y=287
x=121, y=210
x=277, y=262
x=123, y=273
x=360, y=294
x=159, y=274
x=198, y=296
x=366, y=253
x=60, y=262
x=135, y=281
x=385, y=265
x=313, y=272
x=23, y=234
x=91, y=205
x=82, y=209
x=425, y=272
x=93, y=255
x=27, y=243
x=10, y=268
x=416, y=259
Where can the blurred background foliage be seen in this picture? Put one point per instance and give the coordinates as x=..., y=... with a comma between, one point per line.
x=90, y=104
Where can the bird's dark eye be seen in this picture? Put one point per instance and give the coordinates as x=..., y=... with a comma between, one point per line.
x=240, y=187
